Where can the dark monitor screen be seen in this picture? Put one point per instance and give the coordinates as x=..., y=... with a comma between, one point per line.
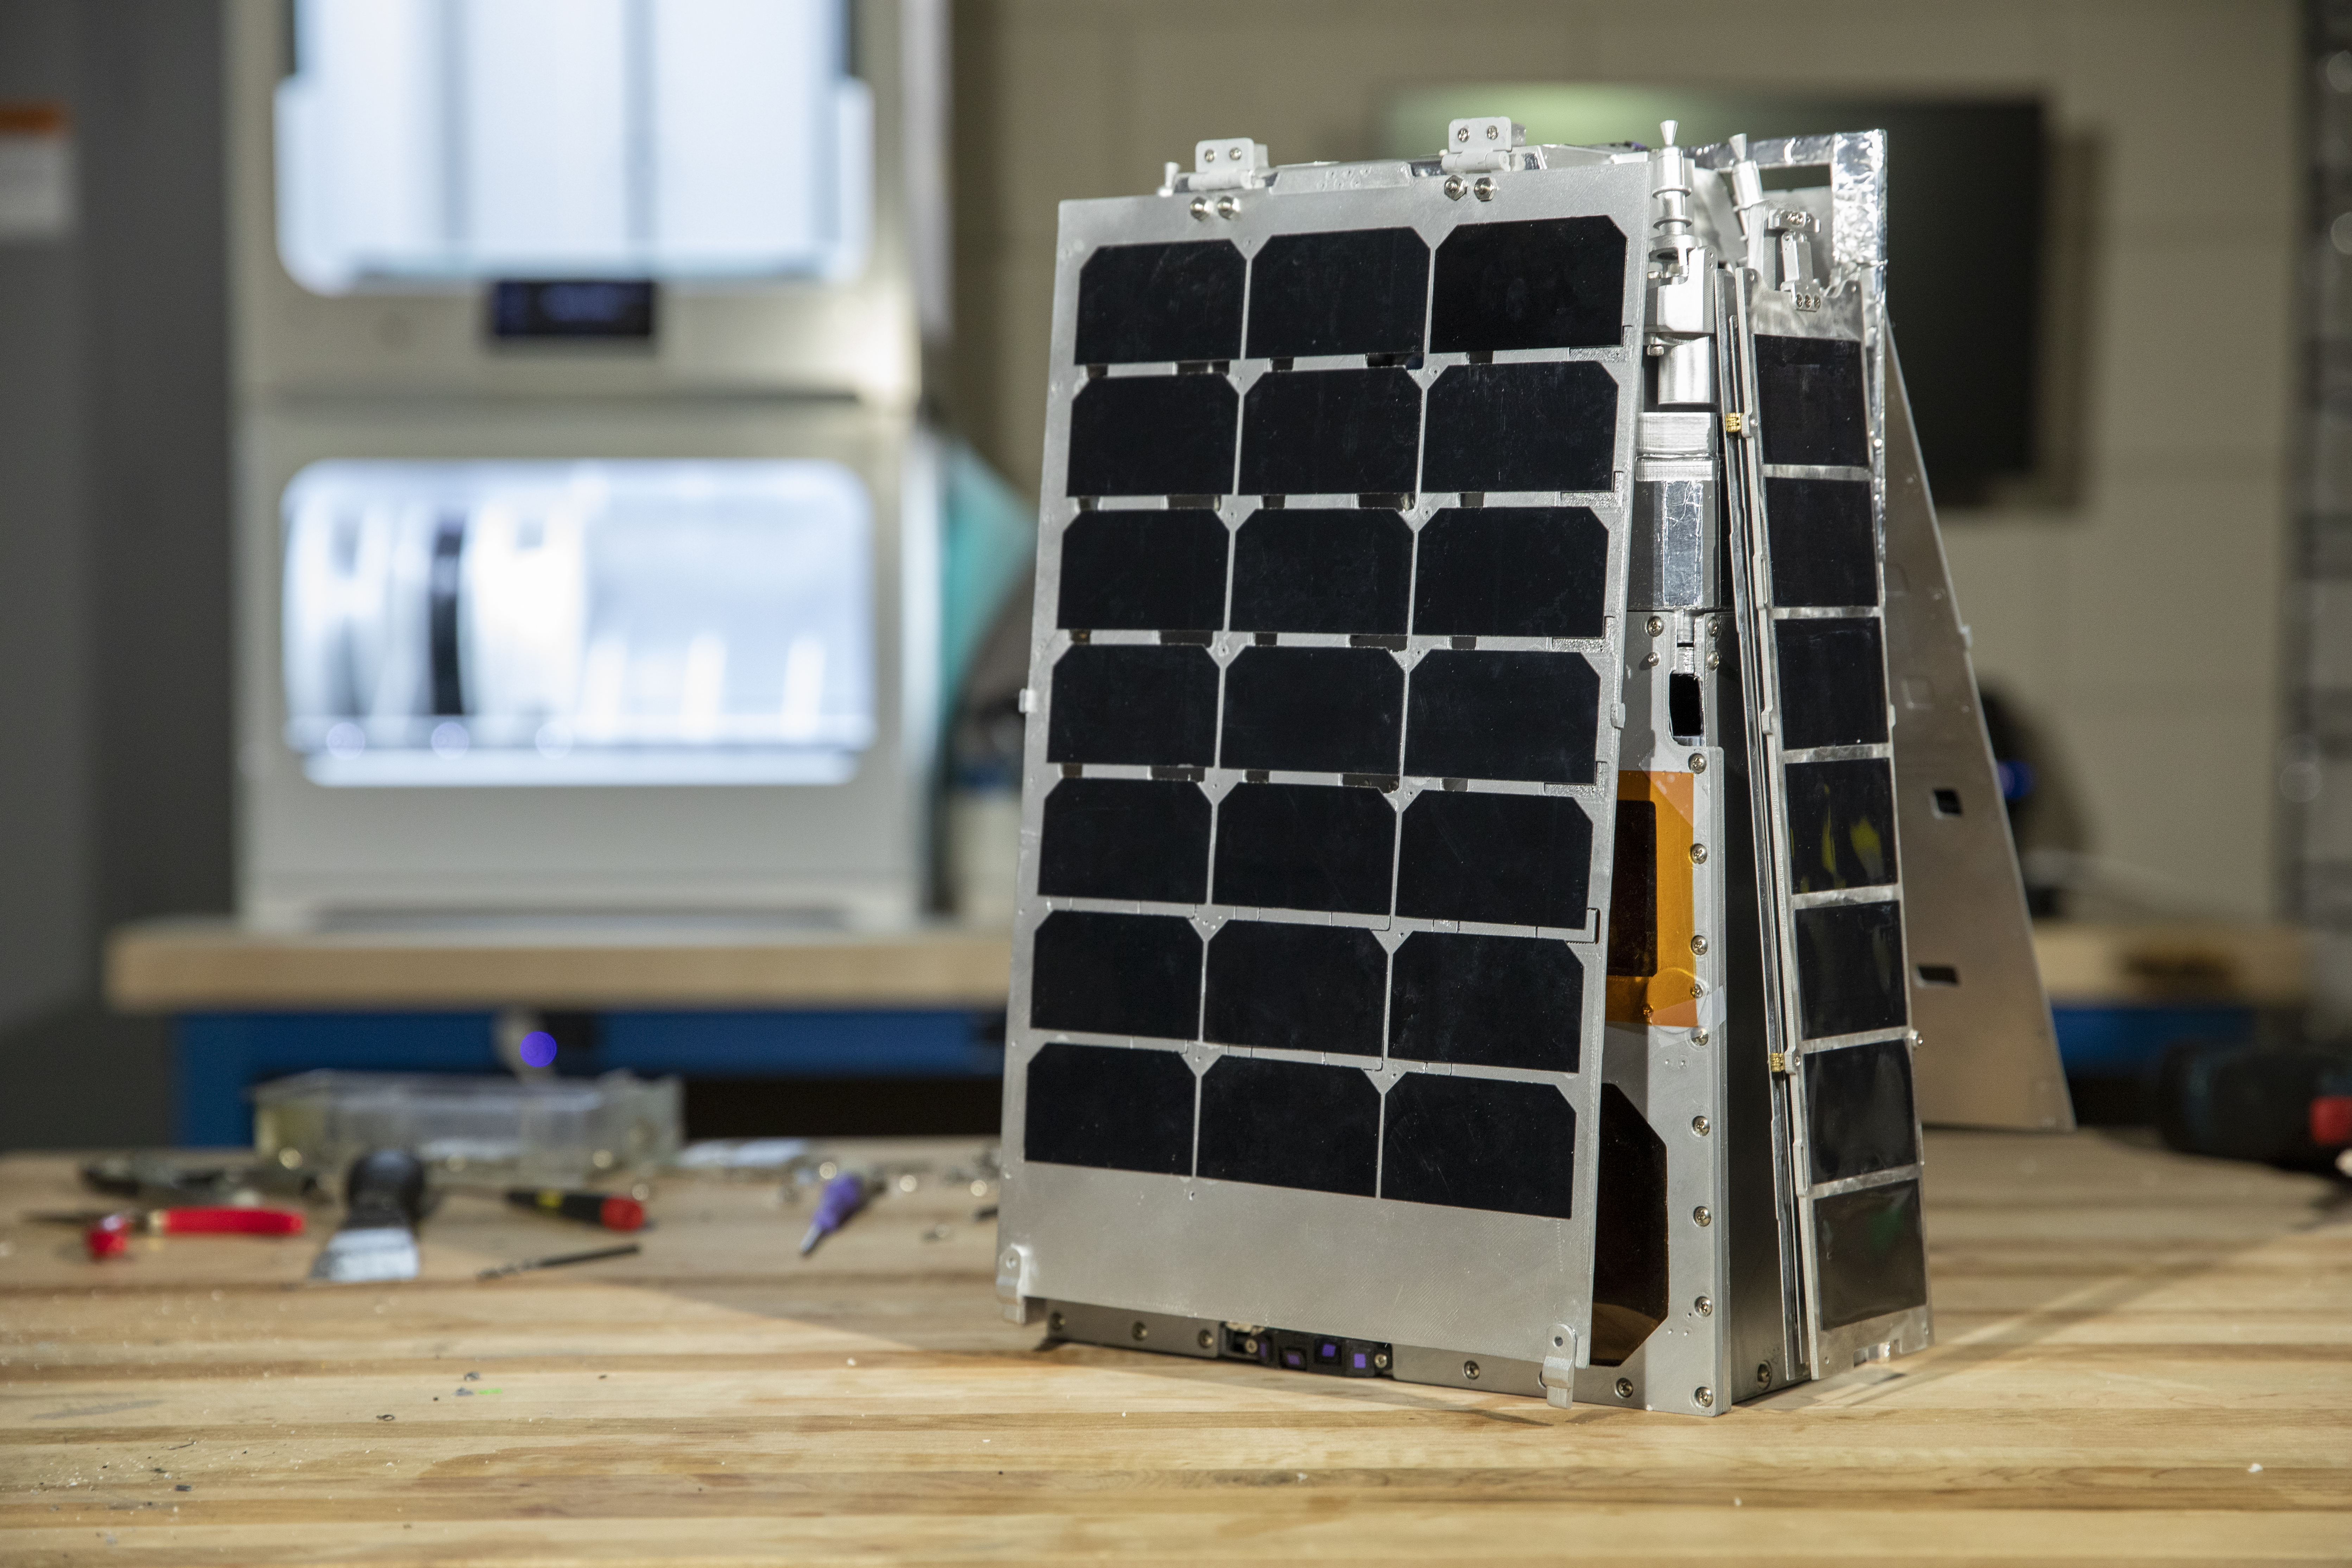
x=1965, y=241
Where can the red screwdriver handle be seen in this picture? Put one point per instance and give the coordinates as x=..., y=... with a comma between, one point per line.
x=111, y=1237
x=230, y=1222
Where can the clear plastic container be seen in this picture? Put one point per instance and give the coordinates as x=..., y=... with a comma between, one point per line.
x=486, y=1128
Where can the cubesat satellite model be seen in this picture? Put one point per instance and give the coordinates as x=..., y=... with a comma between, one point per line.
x=1507, y=830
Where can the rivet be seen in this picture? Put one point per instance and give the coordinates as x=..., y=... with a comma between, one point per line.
x=1656, y=626
x=1200, y=207
x=1208, y=1338
x=1470, y=1369
x=1455, y=186
x=1698, y=762
x=1702, y=1397
x=1484, y=190
x=1698, y=945
x=1227, y=206
x=1624, y=1388
x=1140, y=1331
x=1763, y=1375
x=1699, y=1214
x=1702, y=1126
x=1057, y=1322
x=1698, y=853
x=1380, y=1360
x=1704, y=1306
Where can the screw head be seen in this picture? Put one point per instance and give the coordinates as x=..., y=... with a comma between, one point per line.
x=1702, y=1397
x=1492, y=134
x=1470, y=1369
x=1698, y=762
x=1704, y=1306
x=1227, y=206
x=1249, y=1347
x=1714, y=659
x=1624, y=1388
x=1140, y=1331
x=1236, y=155
x=1698, y=945
x=1455, y=187
x=1656, y=626
x=1057, y=1322
x=1763, y=1375
x=1702, y=1126
x=1701, y=1217
x=1200, y=207
x=1698, y=853
x=1484, y=190
x=1698, y=1036
x=1208, y=1338
x=1208, y=155
x=1380, y=1360
x=1461, y=133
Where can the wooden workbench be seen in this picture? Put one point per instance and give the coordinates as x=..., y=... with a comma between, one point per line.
x=184, y=964
x=2140, y=1357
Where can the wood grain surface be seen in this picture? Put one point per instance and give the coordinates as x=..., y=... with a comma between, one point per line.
x=181, y=965
x=184, y=964
x=2141, y=1358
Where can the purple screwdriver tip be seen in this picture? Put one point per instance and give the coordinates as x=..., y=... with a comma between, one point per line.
x=844, y=1195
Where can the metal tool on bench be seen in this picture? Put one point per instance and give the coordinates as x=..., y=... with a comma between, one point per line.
x=385, y=1198
x=1460, y=916
x=560, y=1260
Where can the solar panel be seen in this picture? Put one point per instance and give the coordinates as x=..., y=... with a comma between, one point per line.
x=1806, y=363
x=1341, y=862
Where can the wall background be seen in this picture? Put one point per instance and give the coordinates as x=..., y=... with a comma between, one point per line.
x=2137, y=618
x=114, y=634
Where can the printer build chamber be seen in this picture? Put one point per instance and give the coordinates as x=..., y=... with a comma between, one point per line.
x=551, y=623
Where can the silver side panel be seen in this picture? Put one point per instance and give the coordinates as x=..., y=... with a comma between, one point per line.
x=1987, y=1056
